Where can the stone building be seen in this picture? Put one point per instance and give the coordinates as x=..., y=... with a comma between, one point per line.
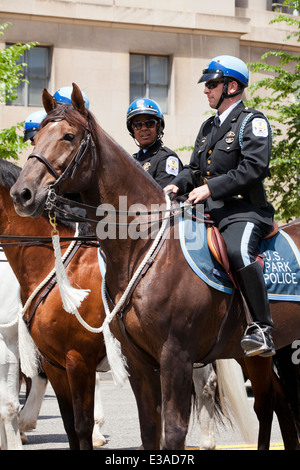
x=116, y=50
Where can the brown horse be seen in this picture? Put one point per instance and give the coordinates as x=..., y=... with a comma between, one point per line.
x=63, y=326
x=171, y=319
x=69, y=353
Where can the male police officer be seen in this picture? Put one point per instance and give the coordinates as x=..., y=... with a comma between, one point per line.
x=231, y=156
x=145, y=122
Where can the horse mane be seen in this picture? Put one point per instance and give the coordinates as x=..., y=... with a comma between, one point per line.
x=9, y=173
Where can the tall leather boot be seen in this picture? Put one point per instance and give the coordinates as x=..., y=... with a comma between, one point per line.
x=257, y=338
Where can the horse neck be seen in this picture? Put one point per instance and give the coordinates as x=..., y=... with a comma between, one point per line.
x=117, y=174
x=31, y=264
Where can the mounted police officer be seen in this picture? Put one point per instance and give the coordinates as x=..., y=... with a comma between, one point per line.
x=145, y=123
x=227, y=168
x=32, y=122
x=63, y=95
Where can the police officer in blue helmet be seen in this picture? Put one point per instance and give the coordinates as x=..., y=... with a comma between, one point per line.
x=32, y=122
x=229, y=163
x=31, y=125
x=63, y=95
x=145, y=123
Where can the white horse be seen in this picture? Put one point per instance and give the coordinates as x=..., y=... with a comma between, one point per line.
x=10, y=428
x=223, y=380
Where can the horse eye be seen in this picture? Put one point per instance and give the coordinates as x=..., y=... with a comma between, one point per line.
x=68, y=137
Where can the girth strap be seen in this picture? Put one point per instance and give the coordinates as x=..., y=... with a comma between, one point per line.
x=121, y=314
x=229, y=322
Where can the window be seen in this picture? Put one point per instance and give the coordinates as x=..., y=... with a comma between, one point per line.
x=278, y=7
x=149, y=78
x=37, y=73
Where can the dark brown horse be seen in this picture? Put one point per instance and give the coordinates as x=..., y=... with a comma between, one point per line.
x=73, y=352
x=172, y=318
x=69, y=353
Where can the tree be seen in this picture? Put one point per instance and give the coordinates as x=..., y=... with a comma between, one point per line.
x=282, y=105
x=11, y=75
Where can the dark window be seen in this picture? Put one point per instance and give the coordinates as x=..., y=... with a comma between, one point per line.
x=37, y=73
x=149, y=78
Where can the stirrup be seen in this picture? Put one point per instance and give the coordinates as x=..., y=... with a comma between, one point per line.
x=259, y=348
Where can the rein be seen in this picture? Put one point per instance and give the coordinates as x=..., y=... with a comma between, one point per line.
x=89, y=240
x=53, y=199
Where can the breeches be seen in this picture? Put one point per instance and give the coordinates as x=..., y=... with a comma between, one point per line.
x=242, y=239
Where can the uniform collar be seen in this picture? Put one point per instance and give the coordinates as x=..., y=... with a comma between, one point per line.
x=226, y=113
x=153, y=147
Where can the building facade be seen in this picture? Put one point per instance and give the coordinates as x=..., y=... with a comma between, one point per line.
x=116, y=50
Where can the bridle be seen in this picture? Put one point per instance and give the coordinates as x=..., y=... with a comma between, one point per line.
x=86, y=143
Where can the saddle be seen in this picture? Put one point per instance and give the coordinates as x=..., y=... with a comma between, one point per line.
x=218, y=249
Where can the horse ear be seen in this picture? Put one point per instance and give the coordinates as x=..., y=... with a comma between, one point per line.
x=48, y=101
x=77, y=100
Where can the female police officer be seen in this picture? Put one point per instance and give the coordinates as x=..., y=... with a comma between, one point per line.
x=231, y=156
x=145, y=122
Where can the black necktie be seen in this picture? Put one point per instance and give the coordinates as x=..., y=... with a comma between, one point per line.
x=217, y=121
x=215, y=127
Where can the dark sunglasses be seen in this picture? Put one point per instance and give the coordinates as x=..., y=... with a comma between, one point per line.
x=150, y=124
x=213, y=84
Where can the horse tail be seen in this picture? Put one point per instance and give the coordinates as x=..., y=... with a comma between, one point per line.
x=233, y=398
x=287, y=367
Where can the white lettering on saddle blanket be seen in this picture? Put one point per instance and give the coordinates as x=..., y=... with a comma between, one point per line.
x=277, y=269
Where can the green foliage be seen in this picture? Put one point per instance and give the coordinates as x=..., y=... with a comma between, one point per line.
x=282, y=107
x=11, y=143
x=11, y=75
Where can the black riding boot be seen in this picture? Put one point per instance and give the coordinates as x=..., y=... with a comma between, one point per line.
x=257, y=338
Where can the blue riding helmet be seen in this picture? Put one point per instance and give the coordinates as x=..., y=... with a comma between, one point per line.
x=32, y=123
x=63, y=95
x=226, y=66
x=145, y=106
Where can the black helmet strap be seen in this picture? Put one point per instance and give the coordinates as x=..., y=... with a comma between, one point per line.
x=225, y=92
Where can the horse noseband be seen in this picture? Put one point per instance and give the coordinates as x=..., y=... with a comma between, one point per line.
x=46, y=162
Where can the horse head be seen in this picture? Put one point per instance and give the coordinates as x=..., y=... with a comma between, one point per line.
x=63, y=143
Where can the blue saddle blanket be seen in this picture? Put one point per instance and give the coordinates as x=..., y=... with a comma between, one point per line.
x=281, y=262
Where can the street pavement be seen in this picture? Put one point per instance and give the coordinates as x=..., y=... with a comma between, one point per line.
x=121, y=428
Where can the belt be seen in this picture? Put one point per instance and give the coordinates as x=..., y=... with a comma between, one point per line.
x=204, y=179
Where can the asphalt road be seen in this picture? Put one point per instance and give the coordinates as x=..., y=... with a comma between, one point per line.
x=121, y=428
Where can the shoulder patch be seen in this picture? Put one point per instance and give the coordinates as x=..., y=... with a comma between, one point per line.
x=172, y=165
x=260, y=127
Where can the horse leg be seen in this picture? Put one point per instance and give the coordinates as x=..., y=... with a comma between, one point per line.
x=9, y=406
x=145, y=384
x=98, y=438
x=60, y=383
x=284, y=415
x=176, y=385
x=31, y=409
x=81, y=378
x=259, y=372
x=205, y=384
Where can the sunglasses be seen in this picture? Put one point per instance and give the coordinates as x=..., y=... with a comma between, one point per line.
x=213, y=84
x=150, y=124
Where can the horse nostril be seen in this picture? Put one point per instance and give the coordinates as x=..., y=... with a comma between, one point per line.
x=25, y=195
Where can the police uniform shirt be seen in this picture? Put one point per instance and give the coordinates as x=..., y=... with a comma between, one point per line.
x=234, y=165
x=160, y=162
